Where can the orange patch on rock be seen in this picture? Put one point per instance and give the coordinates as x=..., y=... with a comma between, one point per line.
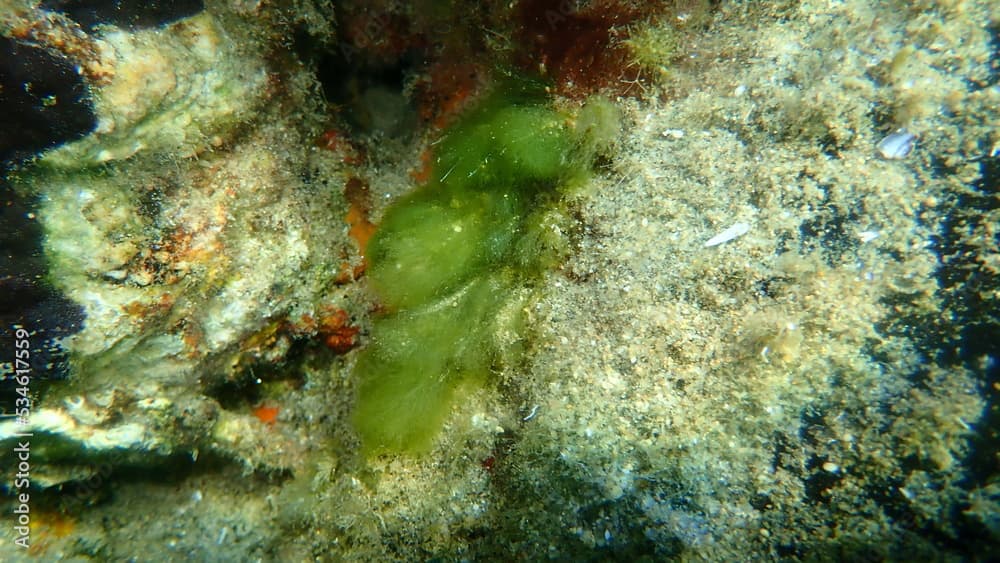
x=360, y=228
x=335, y=141
x=46, y=528
x=335, y=331
x=142, y=311
x=267, y=414
x=423, y=174
x=447, y=89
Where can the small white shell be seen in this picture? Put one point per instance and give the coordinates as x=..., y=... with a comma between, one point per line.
x=868, y=236
x=896, y=145
x=736, y=230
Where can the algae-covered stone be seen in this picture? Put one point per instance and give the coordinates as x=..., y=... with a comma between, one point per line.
x=172, y=92
x=183, y=243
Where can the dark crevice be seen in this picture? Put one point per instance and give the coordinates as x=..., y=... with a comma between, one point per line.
x=45, y=102
x=829, y=232
x=129, y=14
x=971, y=336
x=31, y=310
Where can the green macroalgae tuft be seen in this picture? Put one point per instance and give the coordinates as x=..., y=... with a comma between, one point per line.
x=451, y=260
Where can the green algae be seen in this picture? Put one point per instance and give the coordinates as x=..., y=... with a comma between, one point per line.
x=453, y=254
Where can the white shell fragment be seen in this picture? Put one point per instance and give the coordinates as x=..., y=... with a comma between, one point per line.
x=897, y=145
x=735, y=231
x=868, y=236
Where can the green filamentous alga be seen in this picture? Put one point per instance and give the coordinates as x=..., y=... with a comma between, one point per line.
x=449, y=258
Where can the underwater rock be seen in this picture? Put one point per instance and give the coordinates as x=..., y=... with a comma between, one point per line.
x=808, y=391
x=176, y=249
x=177, y=91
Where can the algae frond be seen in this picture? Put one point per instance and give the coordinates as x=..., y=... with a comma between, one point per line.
x=451, y=256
